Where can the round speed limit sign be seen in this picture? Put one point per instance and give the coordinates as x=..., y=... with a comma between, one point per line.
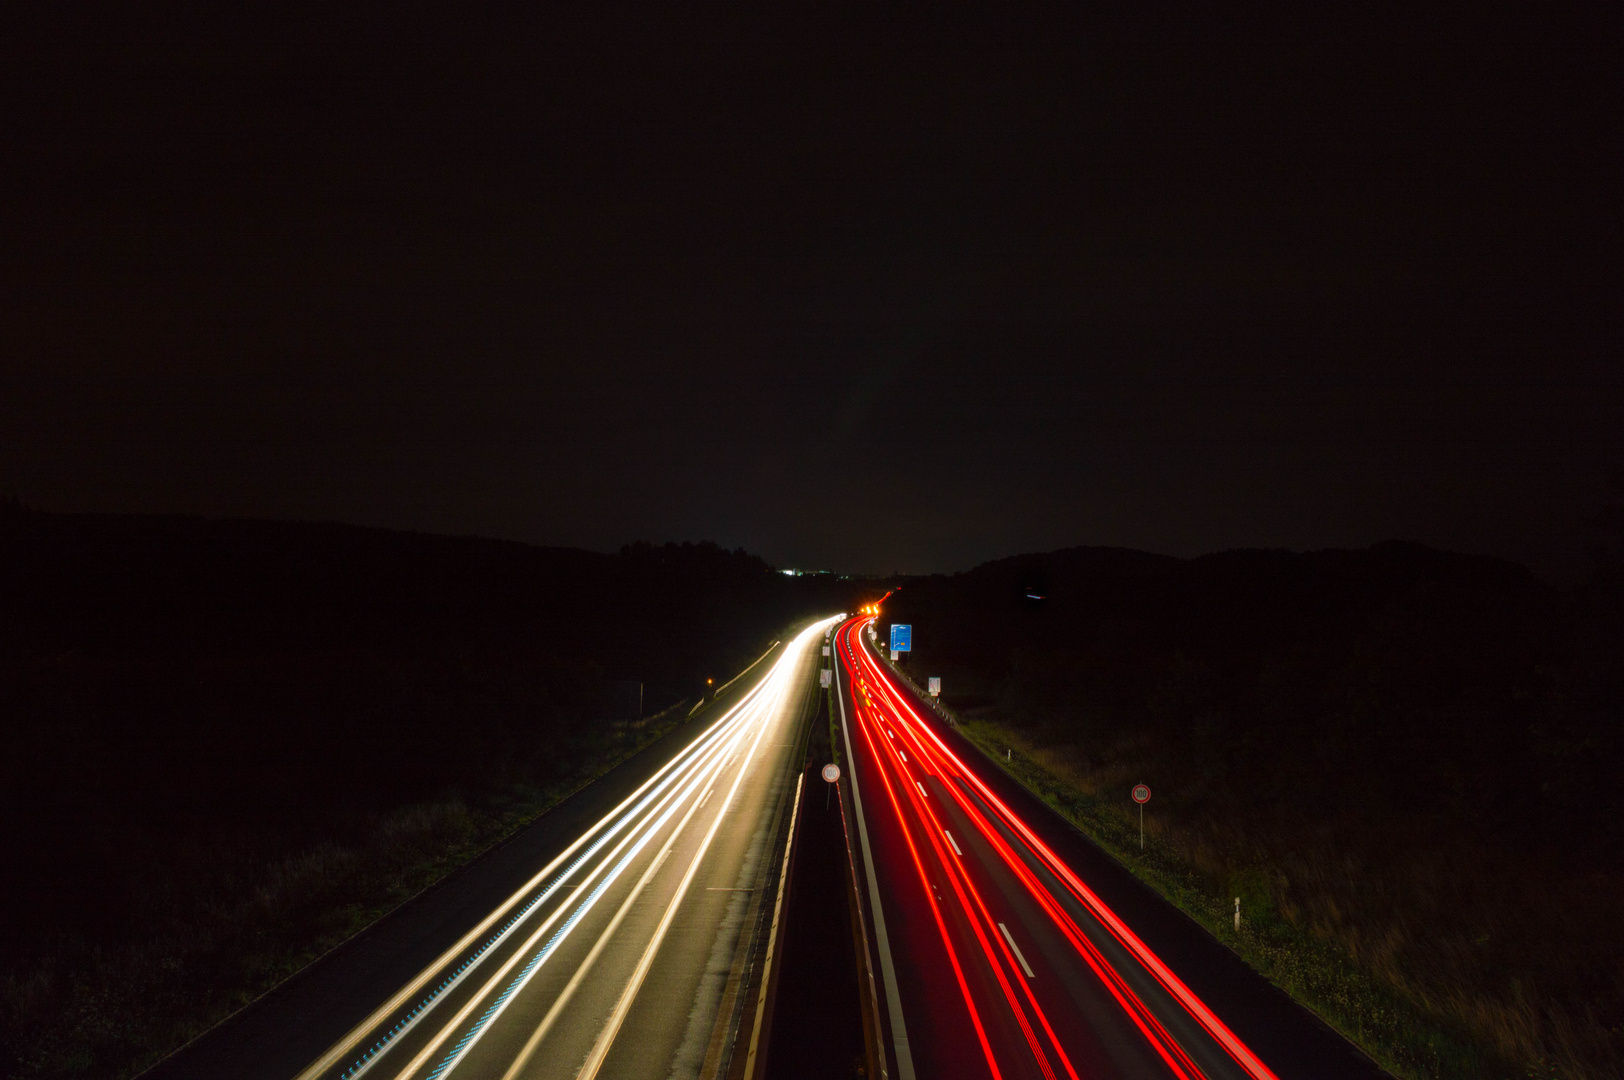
x=1141, y=793
x=831, y=772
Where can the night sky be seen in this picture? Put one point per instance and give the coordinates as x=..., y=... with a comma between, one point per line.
x=859, y=294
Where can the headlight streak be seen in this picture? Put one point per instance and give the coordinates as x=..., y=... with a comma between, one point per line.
x=534, y=1042
x=644, y=830
x=703, y=756
x=701, y=764
x=600, y=1050
x=695, y=762
x=1168, y=1047
x=497, y=1007
x=758, y=707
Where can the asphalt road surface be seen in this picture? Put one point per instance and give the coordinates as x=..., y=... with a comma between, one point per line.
x=612, y=939
x=1007, y=946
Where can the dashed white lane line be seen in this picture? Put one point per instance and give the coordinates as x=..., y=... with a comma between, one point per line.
x=954, y=842
x=1024, y=965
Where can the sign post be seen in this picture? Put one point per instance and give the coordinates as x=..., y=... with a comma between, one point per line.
x=1141, y=795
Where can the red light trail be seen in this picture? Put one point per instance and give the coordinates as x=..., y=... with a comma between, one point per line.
x=1172, y=1022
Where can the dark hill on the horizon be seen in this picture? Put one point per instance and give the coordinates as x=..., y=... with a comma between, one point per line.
x=1410, y=755
x=225, y=738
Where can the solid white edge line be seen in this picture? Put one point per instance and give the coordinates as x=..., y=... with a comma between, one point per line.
x=1024, y=965
x=893, y=999
x=772, y=937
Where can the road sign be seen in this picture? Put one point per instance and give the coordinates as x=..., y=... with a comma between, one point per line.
x=901, y=637
x=1141, y=794
x=826, y=650
x=831, y=772
x=934, y=686
x=823, y=678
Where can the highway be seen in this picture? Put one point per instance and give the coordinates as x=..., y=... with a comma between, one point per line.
x=626, y=953
x=995, y=957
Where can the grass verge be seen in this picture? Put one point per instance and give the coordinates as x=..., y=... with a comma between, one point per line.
x=1398, y=1032
x=224, y=927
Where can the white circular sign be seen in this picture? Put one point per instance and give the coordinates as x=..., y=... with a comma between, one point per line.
x=831, y=772
x=1141, y=793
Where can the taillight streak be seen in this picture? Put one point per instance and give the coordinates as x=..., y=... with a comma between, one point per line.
x=973, y=904
x=1138, y=1012
x=930, y=895
x=959, y=877
x=1198, y=1010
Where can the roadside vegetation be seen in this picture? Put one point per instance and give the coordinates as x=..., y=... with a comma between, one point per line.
x=1404, y=762
x=232, y=745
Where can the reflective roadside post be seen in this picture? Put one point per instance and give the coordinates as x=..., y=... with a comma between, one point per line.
x=1141, y=795
x=831, y=773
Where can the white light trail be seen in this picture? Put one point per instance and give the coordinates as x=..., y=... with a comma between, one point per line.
x=666, y=788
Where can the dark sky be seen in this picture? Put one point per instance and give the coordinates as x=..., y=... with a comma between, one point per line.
x=852, y=293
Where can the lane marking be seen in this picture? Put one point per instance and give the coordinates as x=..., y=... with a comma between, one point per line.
x=772, y=936
x=893, y=999
x=921, y=788
x=996, y=959
x=954, y=842
x=1024, y=965
x=902, y=755
x=932, y=894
